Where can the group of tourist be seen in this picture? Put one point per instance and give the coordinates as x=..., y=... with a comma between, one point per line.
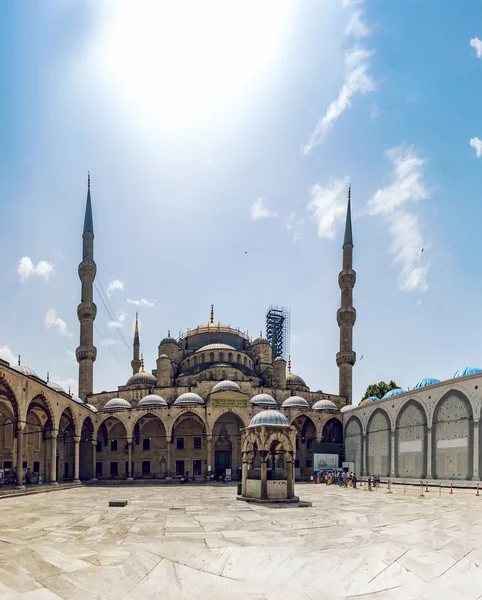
x=345, y=479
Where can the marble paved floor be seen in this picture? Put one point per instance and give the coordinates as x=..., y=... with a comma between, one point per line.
x=200, y=543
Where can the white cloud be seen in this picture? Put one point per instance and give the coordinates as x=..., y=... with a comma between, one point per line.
x=27, y=269
x=71, y=358
x=141, y=302
x=357, y=80
x=121, y=317
x=259, y=210
x=328, y=204
x=477, y=44
x=7, y=354
x=114, y=285
x=66, y=384
x=404, y=228
x=295, y=227
x=477, y=144
x=52, y=320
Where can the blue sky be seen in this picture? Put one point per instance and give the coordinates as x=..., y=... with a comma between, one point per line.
x=221, y=139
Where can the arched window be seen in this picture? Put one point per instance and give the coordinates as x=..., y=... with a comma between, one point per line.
x=230, y=357
x=194, y=361
x=245, y=361
x=211, y=357
x=187, y=363
x=221, y=357
x=202, y=358
x=238, y=358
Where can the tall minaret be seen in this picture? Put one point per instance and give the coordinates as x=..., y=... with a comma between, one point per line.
x=346, y=315
x=86, y=352
x=135, y=362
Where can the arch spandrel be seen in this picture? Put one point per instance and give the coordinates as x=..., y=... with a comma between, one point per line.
x=354, y=419
x=194, y=414
x=41, y=401
x=7, y=391
x=406, y=405
x=122, y=418
x=282, y=437
x=460, y=389
x=73, y=417
x=379, y=411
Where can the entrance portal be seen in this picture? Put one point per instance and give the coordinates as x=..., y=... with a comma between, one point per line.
x=222, y=462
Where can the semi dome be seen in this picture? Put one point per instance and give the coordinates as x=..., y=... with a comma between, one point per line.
x=187, y=399
x=278, y=358
x=346, y=408
x=226, y=386
x=367, y=402
x=168, y=340
x=394, y=392
x=260, y=340
x=263, y=399
x=216, y=347
x=295, y=402
x=92, y=408
x=164, y=356
x=425, y=382
x=292, y=379
x=152, y=400
x=269, y=417
x=467, y=371
x=55, y=386
x=142, y=378
x=325, y=406
x=117, y=404
x=24, y=370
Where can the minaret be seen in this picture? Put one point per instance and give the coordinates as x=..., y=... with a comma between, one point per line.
x=86, y=352
x=346, y=315
x=135, y=362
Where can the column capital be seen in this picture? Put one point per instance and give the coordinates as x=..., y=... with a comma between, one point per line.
x=21, y=426
x=476, y=422
x=76, y=439
x=129, y=440
x=54, y=433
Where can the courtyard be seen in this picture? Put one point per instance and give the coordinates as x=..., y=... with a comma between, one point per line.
x=200, y=542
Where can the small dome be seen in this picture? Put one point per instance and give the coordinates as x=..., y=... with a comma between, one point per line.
x=92, y=408
x=215, y=347
x=325, y=406
x=278, y=358
x=77, y=399
x=467, y=371
x=227, y=386
x=367, y=401
x=394, y=392
x=117, y=404
x=152, y=400
x=295, y=402
x=263, y=399
x=142, y=378
x=55, y=386
x=292, y=379
x=188, y=398
x=269, y=417
x=346, y=408
x=425, y=382
x=165, y=355
x=260, y=340
x=24, y=370
x=168, y=339
x=374, y=398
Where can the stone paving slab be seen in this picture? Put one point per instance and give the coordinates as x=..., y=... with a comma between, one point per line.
x=199, y=543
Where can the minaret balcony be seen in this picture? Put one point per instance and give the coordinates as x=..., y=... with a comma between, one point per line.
x=347, y=279
x=86, y=353
x=345, y=358
x=87, y=269
x=346, y=316
x=86, y=310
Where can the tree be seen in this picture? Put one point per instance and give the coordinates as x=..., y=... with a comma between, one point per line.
x=380, y=389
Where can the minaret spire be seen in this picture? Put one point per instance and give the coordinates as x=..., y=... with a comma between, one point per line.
x=135, y=362
x=86, y=353
x=212, y=313
x=346, y=315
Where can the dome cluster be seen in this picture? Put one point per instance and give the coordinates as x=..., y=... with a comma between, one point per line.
x=269, y=417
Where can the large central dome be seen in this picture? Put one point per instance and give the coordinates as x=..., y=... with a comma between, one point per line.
x=213, y=333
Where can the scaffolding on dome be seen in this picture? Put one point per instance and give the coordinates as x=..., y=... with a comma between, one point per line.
x=278, y=321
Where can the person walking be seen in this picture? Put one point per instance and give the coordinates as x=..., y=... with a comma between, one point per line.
x=370, y=483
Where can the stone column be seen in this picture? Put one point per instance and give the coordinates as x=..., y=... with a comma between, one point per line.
x=264, y=474
x=94, y=460
x=53, y=457
x=364, y=455
x=244, y=478
x=169, y=444
x=129, y=459
x=392, y=453
x=76, y=458
x=476, y=452
x=209, y=442
x=290, y=486
x=20, y=428
x=429, y=453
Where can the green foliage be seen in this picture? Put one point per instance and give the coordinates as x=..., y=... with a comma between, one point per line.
x=380, y=389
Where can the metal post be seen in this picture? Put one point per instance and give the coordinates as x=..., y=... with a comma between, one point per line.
x=421, y=489
x=389, y=487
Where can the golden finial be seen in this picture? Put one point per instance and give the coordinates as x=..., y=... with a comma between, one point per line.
x=349, y=192
x=168, y=333
x=88, y=180
x=289, y=364
x=142, y=362
x=212, y=313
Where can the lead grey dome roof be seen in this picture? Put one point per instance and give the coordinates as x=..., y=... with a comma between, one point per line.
x=25, y=370
x=92, y=408
x=269, y=417
x=292, y=379
x=55, y=386
x=152, y=400
x=226, y=385
x=295, y=402
x=263, y=399
x=188, y=398
x=216, y=347
x=325, y=405
x=117, y=404
x=141, y=378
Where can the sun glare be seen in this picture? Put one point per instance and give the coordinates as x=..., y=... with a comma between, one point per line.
x=176, y=63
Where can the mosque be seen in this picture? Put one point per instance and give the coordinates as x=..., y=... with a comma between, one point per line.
x=185, y=417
